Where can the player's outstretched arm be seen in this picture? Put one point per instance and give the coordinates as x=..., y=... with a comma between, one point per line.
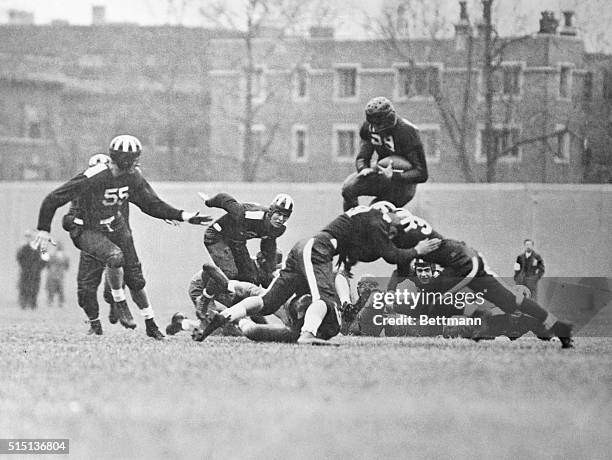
x=195, y=218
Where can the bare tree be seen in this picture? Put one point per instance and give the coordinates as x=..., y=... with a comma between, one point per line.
x=264, y=26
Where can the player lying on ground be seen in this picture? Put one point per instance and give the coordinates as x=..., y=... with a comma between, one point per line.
x=360, y=234
x=465, y=267
x=283, y=326
x=225, y=240
x=395, y=140
x=365, y=316
x=100, y=229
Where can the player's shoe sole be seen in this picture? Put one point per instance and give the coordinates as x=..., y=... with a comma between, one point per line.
x=215, y=321
x=307, y=338
x=125, y=315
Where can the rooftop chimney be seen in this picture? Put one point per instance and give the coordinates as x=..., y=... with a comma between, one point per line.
x=98, y=15
x=548, y=23
x=568, y=28
x=321, y=32
x=463, y=28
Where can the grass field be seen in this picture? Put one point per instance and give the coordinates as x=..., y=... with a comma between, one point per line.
x=125, y=396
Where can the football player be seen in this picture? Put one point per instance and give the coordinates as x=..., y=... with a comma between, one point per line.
x=100, y=229
x=386, y=134
x=283, y=326
x=465, y=267
x=226, y=238
x=361, y=234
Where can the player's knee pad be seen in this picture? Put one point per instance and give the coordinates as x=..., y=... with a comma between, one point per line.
x=115, y=260
x=134, y=279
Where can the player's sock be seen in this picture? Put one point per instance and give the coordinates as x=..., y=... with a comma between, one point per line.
x=147, y=313
x=189, y=324
x=550, y=321
x=118, y=295
x=246, y=307
x=532, y=308
x=343, y=289
x=314, y=316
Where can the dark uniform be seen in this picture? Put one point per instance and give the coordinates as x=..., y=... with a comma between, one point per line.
x=31, y=264
x=463, y=267
x=528, y=270
x=401, y=140
x=360, y=234
x=225, y=239
x=98, y=226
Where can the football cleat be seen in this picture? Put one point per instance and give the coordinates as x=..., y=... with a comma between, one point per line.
x=124, y=315
x=308, y=338
x=215, y=321
x=564, y=332
x=112, y=314
x=152, y=329
x=176, y=324
x=201, y=307
x=95, y=327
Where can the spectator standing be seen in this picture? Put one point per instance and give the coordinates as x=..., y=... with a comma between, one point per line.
x=529, y=268
x=31, y=264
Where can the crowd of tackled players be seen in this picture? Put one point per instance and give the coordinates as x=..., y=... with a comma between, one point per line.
x=305, y=298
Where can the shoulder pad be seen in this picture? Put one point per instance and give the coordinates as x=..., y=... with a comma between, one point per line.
x=255, y=215
x=96, y=169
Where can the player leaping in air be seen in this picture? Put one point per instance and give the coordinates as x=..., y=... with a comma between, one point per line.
x=100, y=229
x=401, y=158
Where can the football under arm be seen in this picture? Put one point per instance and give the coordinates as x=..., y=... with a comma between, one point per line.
x=418, y=173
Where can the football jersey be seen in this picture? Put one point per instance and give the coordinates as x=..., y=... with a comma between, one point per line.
x=242, y=222
x=98, y=197
x=401, y=140
x=362, y=235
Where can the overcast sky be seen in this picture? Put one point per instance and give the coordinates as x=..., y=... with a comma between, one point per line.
x=352, y=13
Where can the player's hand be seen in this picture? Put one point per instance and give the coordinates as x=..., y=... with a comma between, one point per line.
x=388, y=171
x=174, y=223
x=43, y=240
x=427, y=246
x=196, y=218
x=366, y=172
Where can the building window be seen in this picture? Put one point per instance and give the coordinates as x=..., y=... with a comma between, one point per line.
x=507, y=80
x=300, y=144
x=346, y=82
x=430, y=138
x=259, y=85
x=565, y=82
x=587, y=87
x=301, y=80
x=345, y=142
x=562, y=151
x=33, y=126
x=607, y=85
x=418, y=81
x=503, y=143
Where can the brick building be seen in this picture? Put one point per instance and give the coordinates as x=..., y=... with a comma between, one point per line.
x=65, y=90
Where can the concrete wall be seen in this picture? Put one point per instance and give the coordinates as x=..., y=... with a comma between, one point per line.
x=570, y=225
